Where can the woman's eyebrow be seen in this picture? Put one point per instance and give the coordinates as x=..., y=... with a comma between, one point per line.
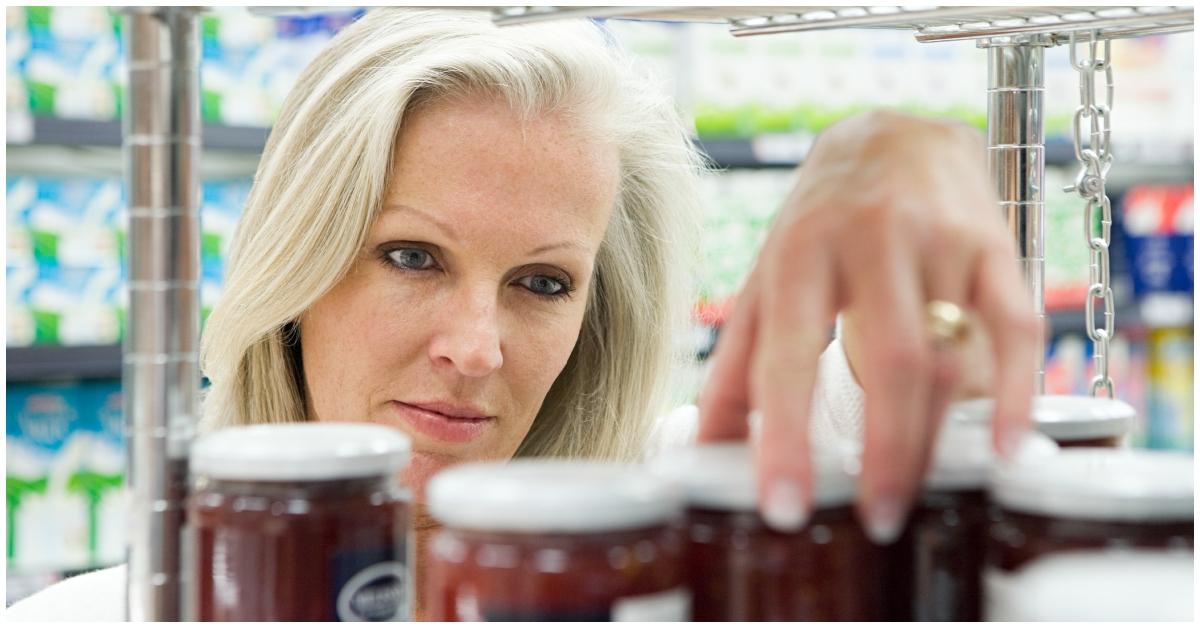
x=434, y=220
x=449, y=231
x=566, y=244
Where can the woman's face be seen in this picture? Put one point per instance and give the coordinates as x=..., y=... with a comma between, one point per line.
x=466, y=301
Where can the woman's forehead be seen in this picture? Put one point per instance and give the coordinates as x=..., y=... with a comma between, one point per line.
x=470, y=161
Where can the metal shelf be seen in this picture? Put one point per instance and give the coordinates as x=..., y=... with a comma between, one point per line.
x=788, y=151
x=50, y=131
x=1072, y=321
x=54, y=362
x=929, y=24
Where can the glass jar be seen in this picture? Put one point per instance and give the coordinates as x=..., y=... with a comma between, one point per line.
x=299, y=522
x=1098, y=504
x=739, y=569
x=938, y=561
x=554, y=540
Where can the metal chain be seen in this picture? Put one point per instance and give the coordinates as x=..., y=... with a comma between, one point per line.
x=1095, y=159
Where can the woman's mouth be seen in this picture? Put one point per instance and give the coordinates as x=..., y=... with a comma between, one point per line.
x=443, y=421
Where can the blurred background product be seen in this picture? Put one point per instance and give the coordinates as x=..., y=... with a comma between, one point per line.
x=757, y=104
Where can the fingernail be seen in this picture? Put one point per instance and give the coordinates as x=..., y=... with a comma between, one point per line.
x=755, y=421
x=785, y=509
x=885, y=520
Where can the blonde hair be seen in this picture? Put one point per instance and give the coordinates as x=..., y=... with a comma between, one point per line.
x=322, y=179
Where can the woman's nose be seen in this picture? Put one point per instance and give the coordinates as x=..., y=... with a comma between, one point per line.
x=469, y=339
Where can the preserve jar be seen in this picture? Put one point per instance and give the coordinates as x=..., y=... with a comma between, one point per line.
x=938, y=561
x=739, y=569
x=554, y=540
x=299, y=522
x=1095, y=502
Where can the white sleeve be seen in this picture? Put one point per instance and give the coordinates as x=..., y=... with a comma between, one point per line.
x=97, y=596
x=838, y=402
x=836, y=420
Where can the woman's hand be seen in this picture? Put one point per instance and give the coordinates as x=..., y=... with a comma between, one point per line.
x=890, y=212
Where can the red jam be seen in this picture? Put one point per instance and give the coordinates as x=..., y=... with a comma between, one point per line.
x=739, y=569
x=543, y=540
x=299, y=522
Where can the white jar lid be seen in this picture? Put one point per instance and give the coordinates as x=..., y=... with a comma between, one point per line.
x=551, y=495
x=1075, y=417
x=721, y=476
x=300, y=451
x=963, y=455
x=1133, y=585
x=1099, y=484
x=1061, y=417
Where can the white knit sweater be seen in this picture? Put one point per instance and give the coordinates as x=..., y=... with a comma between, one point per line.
x=837, y=416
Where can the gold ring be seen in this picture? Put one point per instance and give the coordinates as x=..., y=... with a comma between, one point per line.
x=947, y=322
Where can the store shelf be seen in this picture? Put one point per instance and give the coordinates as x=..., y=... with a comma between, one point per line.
x=48, y=131
x=784, y=151
x=52, y=362
x=789, y=150
x=1072, y=321
x=929, y=24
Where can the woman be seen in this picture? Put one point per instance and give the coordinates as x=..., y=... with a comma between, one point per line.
x=480, y=236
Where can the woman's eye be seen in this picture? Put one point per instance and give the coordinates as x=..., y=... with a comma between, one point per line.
x=543, y=285
x=411, y=259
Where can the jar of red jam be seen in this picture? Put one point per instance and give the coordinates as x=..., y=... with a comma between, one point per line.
x=1104, y=505
x=552, y=540
x=938, y=560
x=739, y=569
x=299, y=522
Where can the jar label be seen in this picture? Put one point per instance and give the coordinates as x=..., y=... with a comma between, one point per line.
x=672, y=605
x=370, y=585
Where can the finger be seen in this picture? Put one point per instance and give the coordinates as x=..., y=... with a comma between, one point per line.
x=1003, y=303
x=947, y=367
x=889, y=300
x=725, y=397
x=797, y=310
x=947, y=277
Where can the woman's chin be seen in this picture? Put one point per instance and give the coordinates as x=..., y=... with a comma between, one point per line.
x=424, y=465
x=421, y=467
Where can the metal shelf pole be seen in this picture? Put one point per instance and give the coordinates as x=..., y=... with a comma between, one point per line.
x=160, y=373
x=1017, y=158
